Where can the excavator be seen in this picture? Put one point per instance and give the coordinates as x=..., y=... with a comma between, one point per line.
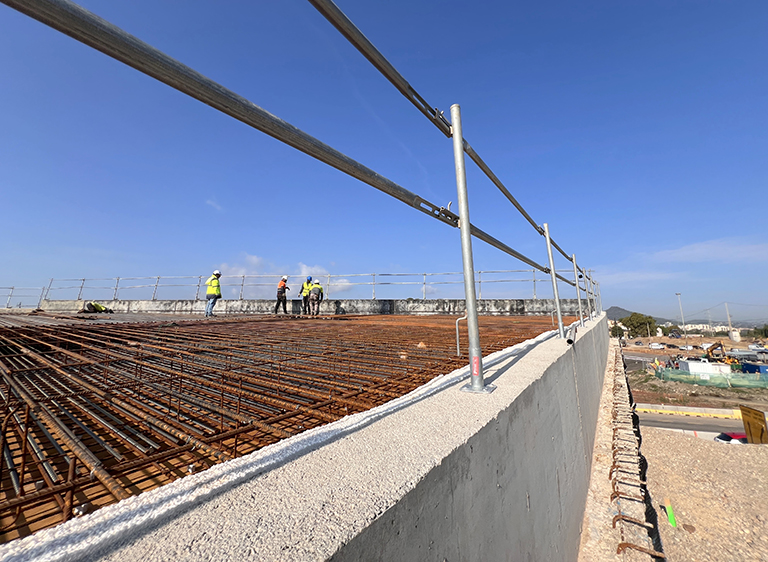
x=720, y=357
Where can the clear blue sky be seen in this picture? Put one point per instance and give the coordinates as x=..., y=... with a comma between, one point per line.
x=637, y=129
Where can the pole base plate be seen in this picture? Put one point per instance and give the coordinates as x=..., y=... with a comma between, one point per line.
x=487, y=389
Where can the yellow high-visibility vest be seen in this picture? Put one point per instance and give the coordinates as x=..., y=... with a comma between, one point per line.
x=305, y=288
x=214, y=287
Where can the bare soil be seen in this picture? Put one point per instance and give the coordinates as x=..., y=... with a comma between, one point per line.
x=647, y=389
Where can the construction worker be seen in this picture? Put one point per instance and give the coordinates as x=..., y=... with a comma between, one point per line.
x=315, y=298
x=305, y=288
x=213, y=292
x=281, y=289
x=93, y=306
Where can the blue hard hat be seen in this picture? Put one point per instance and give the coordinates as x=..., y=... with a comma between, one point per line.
x=309, y=278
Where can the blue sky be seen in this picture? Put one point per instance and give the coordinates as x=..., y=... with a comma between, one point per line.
x=636, y=129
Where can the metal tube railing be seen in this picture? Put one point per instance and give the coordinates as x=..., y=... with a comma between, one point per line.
x=84, y=26
x=348, y=29
x=89, y=288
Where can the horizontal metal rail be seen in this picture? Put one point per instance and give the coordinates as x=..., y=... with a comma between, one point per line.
x=86, y=289
x=84, y=26
x=348, y=29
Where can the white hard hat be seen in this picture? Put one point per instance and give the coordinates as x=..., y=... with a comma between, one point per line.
x=216, y=272
x=285, y=277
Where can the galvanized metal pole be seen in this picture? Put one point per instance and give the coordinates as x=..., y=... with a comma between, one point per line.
x=534, y=284
x=424, y=288
x=328, y=287
x=10, y=295
x=48, y=290
x=586, y=290
x=114, y=294
x=242, y=288
x=599, y=297
x=197, y=292
x=476, y=383
x=480, y=285
x=154, y=293
x=578, y=292
x=555, y=292
x=374, y=286
x=40, y=302
x=80, y=292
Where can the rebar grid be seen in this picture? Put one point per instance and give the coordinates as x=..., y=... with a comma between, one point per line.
x=97, y=413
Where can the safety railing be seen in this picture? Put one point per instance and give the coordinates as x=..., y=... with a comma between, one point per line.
x=21, y=297
x=503, y=284
x=86, y=27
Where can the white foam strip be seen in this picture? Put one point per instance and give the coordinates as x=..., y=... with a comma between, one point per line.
x=73, y=539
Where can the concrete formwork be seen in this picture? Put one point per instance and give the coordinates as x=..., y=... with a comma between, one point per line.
x=438, y=475
x=518, y=307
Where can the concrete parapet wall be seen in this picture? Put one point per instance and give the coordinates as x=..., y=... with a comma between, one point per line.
x=329, y=306
x=436, y=475
x=516, y=489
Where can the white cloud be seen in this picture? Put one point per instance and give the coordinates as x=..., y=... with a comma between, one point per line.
x=262, y=276
x=724, y=250
x=214, y=205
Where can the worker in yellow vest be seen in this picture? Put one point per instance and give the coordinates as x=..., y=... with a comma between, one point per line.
x=213, y=292
x=306, y=287
x=93, y=306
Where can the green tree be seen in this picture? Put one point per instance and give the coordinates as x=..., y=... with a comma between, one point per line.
x=617, y=331
x=639, y=325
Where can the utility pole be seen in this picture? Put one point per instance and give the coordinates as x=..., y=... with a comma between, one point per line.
x=730, y=328
x=680, y=302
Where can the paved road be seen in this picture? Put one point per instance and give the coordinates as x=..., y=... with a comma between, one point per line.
x=692, y=423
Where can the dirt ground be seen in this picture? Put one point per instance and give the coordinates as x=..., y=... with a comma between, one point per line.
x=717, y=493
x=647, y=389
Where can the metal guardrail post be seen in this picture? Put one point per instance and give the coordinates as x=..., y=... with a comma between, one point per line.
x=480, y=285
x=40, y=301
x=80, y=293
x=8, y=303
x=328, y=287
x=476, y=383
x=553, y=273
x=458, y=347
x=154, y=293
x=534, y=284
x=424, y=288
x=578, y=292
x=48, y=291
x=599, y=299
x=242, y=288
x=374, y=286
x=114, y=295
x=197, y=292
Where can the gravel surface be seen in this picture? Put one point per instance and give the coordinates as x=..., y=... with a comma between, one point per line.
x=719, y=494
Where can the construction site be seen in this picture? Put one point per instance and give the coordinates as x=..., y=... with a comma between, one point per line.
x=96, y=410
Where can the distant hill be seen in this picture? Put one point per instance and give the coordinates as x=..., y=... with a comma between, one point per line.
x=617, y=313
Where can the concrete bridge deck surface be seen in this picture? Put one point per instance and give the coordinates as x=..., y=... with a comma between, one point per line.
x=439, y=474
